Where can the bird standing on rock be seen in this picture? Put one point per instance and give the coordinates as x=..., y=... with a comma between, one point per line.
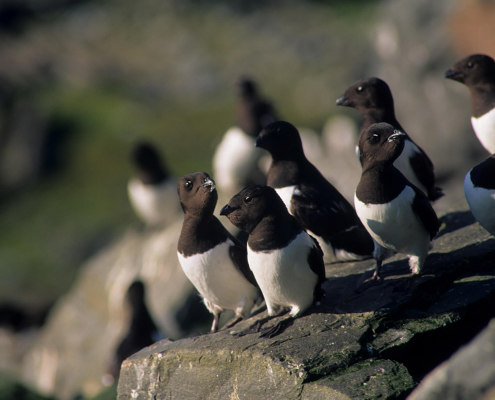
x=373, y=99
x=286, y=261
x=310, y=198
x=477, y=72
x=213, y=260
x=396, y=213
x=235, y=162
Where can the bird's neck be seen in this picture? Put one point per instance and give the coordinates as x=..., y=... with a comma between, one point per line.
x=482, y=99
x=283, y=172
x=272, y=232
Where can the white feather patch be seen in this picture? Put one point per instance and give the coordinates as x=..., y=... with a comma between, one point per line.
x=284, y=275
x=395, y=226
x=484, y=127
x=218, y=281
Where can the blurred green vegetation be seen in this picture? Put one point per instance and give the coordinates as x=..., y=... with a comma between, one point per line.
x=168, y=76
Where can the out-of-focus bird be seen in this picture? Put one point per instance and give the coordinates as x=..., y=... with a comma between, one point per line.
x=152, y=191
x=236, y=160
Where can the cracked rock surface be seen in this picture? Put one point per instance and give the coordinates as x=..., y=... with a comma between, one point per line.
x=376, y=343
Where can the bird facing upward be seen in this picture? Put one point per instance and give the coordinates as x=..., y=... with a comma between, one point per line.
x=213, y=260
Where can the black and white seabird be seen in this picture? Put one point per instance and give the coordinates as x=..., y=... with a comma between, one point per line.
x=310, y=198
x=479, y=189
x=477, y=72
x=213, y=260
x=286, y=261
x=396, y=213
x=236, y=160
x=372, y=97
x=152, y=191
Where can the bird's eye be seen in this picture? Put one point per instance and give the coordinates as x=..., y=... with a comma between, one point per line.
x=375, y=138
x=470, y=64
x=359, y=89
x=188, y=184
x=247, y=199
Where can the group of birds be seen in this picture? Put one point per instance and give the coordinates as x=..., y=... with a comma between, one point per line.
x=297, y=216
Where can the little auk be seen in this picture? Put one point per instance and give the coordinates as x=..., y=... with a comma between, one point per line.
x=286, y=261
x=396, y=213
x=213, y=260
x=236, y=160
x=152, y=191
x=310, y=198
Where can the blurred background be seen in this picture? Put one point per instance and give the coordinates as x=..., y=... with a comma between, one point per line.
x=82, y=80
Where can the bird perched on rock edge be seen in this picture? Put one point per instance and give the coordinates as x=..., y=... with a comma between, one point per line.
x=286, y=261
x=396, y=213
x=213, y=260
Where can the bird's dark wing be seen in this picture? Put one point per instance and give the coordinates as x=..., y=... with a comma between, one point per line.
x=315, y=261
x=422, y=207
x=238, y=255
x=325, y=213
x=423, y=169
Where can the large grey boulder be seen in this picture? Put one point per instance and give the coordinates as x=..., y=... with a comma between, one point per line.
x=375, y=343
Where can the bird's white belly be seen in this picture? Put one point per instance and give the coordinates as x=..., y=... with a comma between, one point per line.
x=484, y=127
x=284, y=276
x=482, y=204
x=404, y=165
x=154, y=204
x=285, y=194
x=235, y=159
x=216, y=278
x=394, y=225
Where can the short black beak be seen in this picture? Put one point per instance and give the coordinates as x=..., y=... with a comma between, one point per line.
x=259, y=140
x=454, y=75
x=342, y=101
x=226, y=210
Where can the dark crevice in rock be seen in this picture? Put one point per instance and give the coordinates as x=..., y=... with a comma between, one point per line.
x=427, y=350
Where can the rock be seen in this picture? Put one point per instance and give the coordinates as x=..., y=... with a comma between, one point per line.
x=74, y=349
x=468, y=374
x=375, y=343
